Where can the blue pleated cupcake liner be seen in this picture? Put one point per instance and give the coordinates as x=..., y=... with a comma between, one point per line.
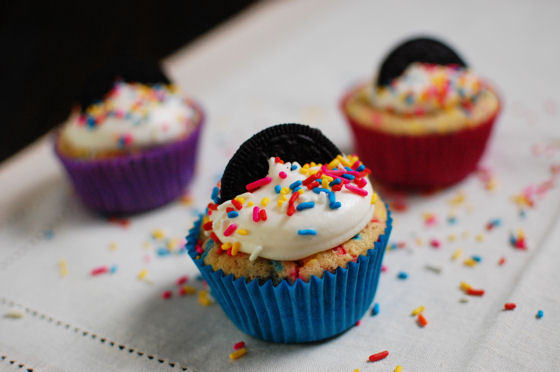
x=301, y=311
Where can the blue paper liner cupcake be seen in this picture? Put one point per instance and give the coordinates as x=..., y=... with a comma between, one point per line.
x=136, y=182
x=301, y=311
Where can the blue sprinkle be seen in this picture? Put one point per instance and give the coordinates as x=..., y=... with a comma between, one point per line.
x=348, y=177
x=349, y=169
x=409, y=99
x=297, y=189
x=49, y=234
x=162, y=252
x=331, y=197
x=393, y=246
x=277, y=265
x=277, y=189
x=199, y=278
x=317, y=190
x=294, y=167
x=295, y=184
x=476, y=258
x=452, y=220
x=522, y=213
x=90, y=122
x=113, y=269
x=375, y=309
x=305, y=205
x=335, y=182
x=307, y=232
x=215, y=195
x=233, y=214
x=402, y=275
x=361, y=168
x=539, y=314
x=357, y=237
x=335, y=205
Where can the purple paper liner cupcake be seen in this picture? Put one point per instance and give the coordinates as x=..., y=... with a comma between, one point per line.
x=136, y=182
x=301, y=311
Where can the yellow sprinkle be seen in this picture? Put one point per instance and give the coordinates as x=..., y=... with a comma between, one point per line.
x=479, y=237
x=324, y=183
x=13, y=315
x=142, y=274
x=312, y=262
x=520, y=234
x=205, y=219
x=451, y=237
x=312, y=164
x=172, y=244
x=417, y=311
x=250, y=204
x=465, y=286
x=242, y=232
x=265, y=201
x=203, y=298
x=186, y=200
x=343, y=160
x=458, y=199
x=419, y=241
x=240, y=199
x=280, y=202
x=188, y=289
x=470, y=262
x=374, y=198
x=113, y=246
x=225, y=246
x=284, y=190
x=235, y=248
x=456, y=254
x=356, y=370
x=146, y=245
x=158, y=234
x=398, y=369
x=333, y=163
x=238, y=354
x=301, y=191
x=63, y=268
x=492, y=184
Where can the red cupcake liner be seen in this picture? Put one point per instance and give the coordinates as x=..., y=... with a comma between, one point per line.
x=137, y=182
x=420, y=161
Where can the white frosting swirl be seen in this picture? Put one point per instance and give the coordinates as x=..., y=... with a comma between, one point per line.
x=277, y=238
x=132, y=115
x=423, y=88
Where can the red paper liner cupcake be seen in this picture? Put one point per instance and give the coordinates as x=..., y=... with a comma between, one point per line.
x=135, y=182
x=424, y=161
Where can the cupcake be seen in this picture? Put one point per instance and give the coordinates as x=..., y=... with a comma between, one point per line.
x=131, y=145
x=425, y=120
x=292, y=243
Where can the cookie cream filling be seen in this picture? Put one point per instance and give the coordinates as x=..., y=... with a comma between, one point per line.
x=296, y=211
x=424, y=88
x=132, y=115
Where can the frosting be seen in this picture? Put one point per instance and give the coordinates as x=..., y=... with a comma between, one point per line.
x=132, y=115
x=296, y=211
x=424, y=88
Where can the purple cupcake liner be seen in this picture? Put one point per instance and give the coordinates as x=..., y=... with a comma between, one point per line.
x=136, y=182
x=301, y=311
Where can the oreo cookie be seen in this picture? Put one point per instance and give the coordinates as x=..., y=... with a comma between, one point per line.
x=127, y=69
x=289, y=142
x=416, y=50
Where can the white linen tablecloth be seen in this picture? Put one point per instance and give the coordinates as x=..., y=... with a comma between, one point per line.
x=291, y=62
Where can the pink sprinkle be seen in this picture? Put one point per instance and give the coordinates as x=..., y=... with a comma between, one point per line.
x=356, y=190
x=100, y=270
x=230, y=229
x=199, y=249
x=182, y=280
x=282, y=175
x=258, y=183
x=383, y=268
x=356, y=164
x=435, y=243
x=239, y=345
x=166, y=295
x=256, y=214
x=358, y=323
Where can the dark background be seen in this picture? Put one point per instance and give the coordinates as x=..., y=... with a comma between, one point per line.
x=50, y=48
